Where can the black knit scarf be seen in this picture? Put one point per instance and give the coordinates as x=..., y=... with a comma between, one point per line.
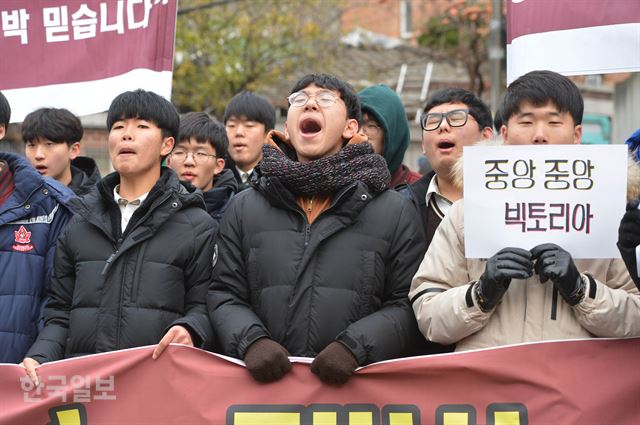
x=325, y=176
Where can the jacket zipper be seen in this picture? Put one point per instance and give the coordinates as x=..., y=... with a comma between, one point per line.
x=307, y=233
x=128, y=232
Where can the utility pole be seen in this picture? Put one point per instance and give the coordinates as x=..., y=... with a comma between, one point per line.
x=496, y=53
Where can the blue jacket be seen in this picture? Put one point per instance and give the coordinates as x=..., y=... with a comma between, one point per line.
x=30, y=221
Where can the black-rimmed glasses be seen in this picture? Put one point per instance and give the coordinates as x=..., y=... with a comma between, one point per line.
x=455, y=118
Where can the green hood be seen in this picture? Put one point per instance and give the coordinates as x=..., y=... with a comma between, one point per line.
x=387, y=109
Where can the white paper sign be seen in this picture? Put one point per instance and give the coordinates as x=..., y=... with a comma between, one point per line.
x=523, y=196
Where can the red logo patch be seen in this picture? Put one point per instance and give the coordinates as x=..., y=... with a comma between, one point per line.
x=23, y=240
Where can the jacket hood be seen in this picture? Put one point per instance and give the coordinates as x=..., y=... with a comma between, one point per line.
x=225, y=180
x=633, y=172
x=84, y=175
x=26, y=179
x=387, y=109
x=217, y=199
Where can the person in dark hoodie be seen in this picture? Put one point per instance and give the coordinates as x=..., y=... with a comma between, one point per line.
x=199, y=158
x=309, y=262
x=384, y=122
x=52, y=145
x=133, y=265
x=33, y=212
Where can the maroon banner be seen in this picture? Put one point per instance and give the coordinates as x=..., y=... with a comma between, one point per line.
x=535, y=16
x=569, y=382
x=47, y=42
x=80, y=55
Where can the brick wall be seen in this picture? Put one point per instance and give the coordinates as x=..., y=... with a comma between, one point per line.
x=383, y=16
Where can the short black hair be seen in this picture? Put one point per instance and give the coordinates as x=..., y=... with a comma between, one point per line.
x=145, y=105
x=252, y=107
x=204, y=129
x=331, y=82
x=497, y=117
x=56, y=125
x=540, y=88
x=477, y=108
x=5, y=111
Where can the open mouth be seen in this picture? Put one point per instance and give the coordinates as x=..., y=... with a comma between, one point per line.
x=310, y=126
x=446, y=145
x=41, y=168
x=126, y=151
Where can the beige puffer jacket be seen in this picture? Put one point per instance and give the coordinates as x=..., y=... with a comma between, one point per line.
x=529, y=311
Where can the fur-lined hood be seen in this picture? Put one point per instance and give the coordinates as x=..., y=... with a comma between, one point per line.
x=633, y=172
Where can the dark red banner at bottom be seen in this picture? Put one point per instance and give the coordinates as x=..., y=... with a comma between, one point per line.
x=569, y=382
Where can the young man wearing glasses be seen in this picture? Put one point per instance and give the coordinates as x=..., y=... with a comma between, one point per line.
x=453, y=118
x=520, y=295
x=384, y=123
x=310, y=263
x=199, y=158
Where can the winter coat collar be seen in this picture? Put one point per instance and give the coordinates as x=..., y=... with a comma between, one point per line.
x=165, y=198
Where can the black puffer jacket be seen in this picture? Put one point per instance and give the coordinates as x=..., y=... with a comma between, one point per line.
x=345, y=277
x=113, y=291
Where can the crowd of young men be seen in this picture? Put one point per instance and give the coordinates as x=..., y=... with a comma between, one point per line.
x=262, y=245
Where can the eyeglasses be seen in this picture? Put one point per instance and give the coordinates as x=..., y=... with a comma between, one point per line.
x=455, y=118
x=370, y=129
x=200, y=157
x=324, y=98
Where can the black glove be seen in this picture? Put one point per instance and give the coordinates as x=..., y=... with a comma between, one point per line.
x=507, y=264
x=553, y=262
x=335, y=364
x=267, y=360
x=629, y=239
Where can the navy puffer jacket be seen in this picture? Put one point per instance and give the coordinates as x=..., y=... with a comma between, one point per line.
x=30, y=222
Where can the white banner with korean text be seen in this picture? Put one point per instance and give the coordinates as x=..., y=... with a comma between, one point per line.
x=522, y=196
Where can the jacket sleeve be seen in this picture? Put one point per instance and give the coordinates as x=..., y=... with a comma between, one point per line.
x=391, y=331
x=60, y=220
x=228, y=300
x=51, y=342
x=197, y=277
x=612, y=308
x=443, y=306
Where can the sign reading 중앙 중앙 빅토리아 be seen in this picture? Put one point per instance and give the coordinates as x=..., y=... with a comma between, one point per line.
x=523, y=196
